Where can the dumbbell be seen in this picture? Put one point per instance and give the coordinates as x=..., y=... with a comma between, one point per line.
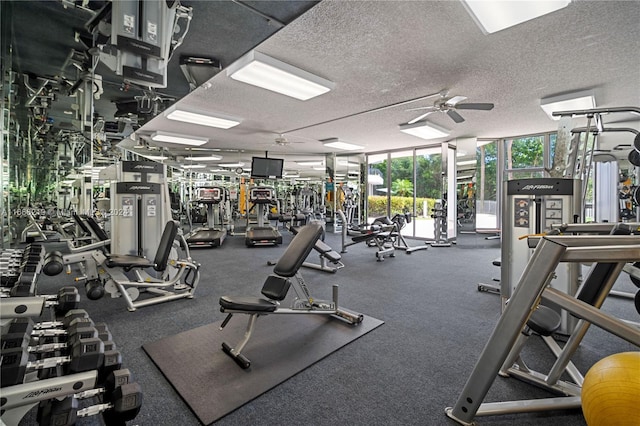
x=122, y=401
x=65, y=300
x=94, y=289
x=53, y=263
x=73, y=319
x=23, y=331
x=85, y=355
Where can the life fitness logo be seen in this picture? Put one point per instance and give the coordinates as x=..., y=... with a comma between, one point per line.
x=41, y=392
x=138, y=188
x=536, y=187
x=143, y=166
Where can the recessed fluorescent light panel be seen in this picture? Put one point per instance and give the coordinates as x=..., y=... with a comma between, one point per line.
x=194, y=166
x=310, y=163
x=268, y=73
x=178, y=139
x=424, y=130
x=231, y=164
x=204, y=158
x=155, y=157
x=568, y=102
x=338, y=144
x=496, y=15
x=466, y=162
x=202, y=119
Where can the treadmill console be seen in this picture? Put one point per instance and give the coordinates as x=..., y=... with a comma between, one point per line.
x=261, y=195
x=210, y=195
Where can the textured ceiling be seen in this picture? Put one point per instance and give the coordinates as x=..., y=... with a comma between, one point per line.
x=382, y=52
x=378, y=53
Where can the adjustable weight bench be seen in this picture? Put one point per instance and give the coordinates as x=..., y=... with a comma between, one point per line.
x=325, y=253
x=275, y=290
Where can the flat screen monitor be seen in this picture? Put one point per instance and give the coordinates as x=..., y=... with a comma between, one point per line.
x=266, y=168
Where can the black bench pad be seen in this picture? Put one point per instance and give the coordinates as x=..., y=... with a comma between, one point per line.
x=544, y=321
x=244, y=303
x=128, y=262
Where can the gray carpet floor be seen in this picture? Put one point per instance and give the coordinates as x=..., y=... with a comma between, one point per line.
x=403, y=373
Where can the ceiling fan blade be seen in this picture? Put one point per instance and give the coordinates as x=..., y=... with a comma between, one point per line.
x=479, y=106
x=455, y=116
x=456, y=99
x=419, y=108
x=415, y=120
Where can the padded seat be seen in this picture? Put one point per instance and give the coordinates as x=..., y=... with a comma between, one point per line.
x=128, y=262
x=246, y=303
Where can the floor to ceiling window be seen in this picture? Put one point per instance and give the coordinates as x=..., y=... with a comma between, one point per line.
x=428, y=188
x=487, y=188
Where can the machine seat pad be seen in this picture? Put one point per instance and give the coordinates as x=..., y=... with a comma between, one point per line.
x=128, y=261
x=247, y=303
x=544, y=321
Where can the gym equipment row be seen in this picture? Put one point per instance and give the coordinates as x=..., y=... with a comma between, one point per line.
x=285, y=275
x=523, y=315
x=56, y=364
x=164, y=277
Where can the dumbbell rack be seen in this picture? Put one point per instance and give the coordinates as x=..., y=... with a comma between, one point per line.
x=440, y=233
x=75, y=360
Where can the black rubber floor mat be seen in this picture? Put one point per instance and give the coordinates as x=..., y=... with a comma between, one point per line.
x=213, y=385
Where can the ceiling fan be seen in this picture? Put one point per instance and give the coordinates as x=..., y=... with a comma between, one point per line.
x=449, y=105
x=282, y=141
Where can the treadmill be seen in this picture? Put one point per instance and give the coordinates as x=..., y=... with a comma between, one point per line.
x=260, y=198
x=214, y=233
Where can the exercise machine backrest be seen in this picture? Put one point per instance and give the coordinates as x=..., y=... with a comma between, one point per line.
x=102, y=236
x=298, y=250
x=81, y=224
x=166, y=244
x=591, y=290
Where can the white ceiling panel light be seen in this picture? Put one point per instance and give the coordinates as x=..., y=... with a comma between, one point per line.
x=268, y=73
x=338, y=144
x=155, y=157
x=231, y=164
x=496, y=15
x=310, y=163
x=178, y=139
x=219, y=121
x=204, y=158
x=466, y=163
x=425, y=130
x=568, y=102
x=194, y=166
